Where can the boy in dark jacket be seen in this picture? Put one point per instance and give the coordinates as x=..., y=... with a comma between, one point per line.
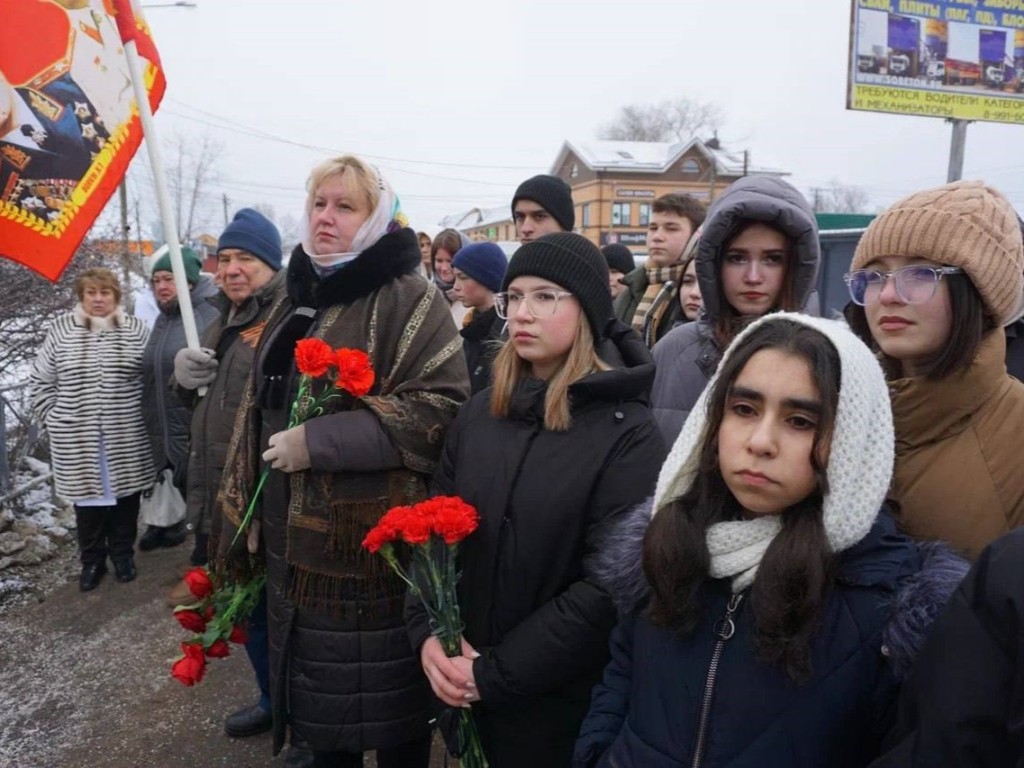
x=479, y=270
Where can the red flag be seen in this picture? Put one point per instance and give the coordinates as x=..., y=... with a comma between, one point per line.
x=69, y=125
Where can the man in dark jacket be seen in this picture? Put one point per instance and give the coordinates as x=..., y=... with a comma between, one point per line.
x=167, y=416
x=251, y=279
x=649, y=301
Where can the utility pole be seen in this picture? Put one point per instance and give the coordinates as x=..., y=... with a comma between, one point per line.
x=126, y=275
x=225, y=198
x=746, y=161
x=956, y=150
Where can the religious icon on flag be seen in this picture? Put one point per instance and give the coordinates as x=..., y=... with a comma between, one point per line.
x=69, y=124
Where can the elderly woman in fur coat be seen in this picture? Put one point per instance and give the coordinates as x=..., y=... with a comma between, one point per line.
x=343, y=674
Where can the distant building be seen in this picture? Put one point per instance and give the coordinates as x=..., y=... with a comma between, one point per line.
x=614, y=184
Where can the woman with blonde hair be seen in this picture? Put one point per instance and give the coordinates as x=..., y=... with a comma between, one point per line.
x=561, y=446
x=342, y=673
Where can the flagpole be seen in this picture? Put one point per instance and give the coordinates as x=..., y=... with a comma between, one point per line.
x=163, y=198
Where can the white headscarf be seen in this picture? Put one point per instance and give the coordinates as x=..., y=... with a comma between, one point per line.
x=387, y=216
x=859, y=466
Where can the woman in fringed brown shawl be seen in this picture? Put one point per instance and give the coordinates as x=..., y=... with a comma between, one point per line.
x=343, y=675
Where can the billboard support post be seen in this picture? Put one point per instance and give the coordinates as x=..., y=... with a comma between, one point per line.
x=956, y=149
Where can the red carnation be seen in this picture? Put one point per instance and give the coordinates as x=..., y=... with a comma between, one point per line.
x=238, y=635
x=190, y=669
x=199, y=583
x=313, y=357
x=355, y=374
x=453, y=518
x=191, y=620
x=218, y=649
x=417, y=525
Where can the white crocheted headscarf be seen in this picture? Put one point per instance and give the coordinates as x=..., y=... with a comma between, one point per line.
x=859, y=466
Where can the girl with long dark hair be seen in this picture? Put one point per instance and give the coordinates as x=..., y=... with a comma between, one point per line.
x=753, y=635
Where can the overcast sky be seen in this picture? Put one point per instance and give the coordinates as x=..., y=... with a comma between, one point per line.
x=459, y=100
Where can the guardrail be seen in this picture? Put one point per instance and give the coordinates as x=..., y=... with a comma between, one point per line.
x=16, y=443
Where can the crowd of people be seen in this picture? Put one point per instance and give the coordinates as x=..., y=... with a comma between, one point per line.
x=716, y=528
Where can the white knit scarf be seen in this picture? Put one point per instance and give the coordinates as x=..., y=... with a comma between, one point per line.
x=859, y=467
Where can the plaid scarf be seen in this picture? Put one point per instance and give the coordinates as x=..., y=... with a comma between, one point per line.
x=657, y=278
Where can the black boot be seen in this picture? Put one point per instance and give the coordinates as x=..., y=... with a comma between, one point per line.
x=152, y=538
x=92, y=573
x=124, y=570
x=174, y=535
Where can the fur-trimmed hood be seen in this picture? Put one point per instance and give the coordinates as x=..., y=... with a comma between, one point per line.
x=917, y=601
x=394, y=255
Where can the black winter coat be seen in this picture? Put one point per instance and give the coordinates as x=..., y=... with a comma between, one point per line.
x=963, y=704
x=646, y=711
x=529, y=602
x=480, y=343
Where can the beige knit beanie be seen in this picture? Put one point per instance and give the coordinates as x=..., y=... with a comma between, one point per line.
x=964, y=224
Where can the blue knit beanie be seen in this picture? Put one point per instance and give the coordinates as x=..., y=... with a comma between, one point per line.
x=193, y=265
x=251, y=231
x=484, y=262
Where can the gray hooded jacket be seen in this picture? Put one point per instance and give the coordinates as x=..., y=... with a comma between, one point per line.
x=689, y=354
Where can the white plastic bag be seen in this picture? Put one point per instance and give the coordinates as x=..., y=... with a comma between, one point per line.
x=162, y=504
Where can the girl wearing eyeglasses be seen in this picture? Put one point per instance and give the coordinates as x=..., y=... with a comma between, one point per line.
x=933, y=280
x=553, y=454
x=758, y=253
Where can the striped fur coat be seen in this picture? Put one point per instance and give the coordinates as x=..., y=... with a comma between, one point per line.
x=87, y=380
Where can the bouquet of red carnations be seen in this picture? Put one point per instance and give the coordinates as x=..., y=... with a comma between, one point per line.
x=223, y=603
x=433, y=529
x=217, y=616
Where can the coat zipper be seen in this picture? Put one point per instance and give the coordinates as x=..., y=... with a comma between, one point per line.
x=724, y=629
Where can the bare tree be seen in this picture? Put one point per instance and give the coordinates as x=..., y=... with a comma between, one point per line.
x=28, y=302
x=840, y=198
x=191, y=172
x=670, y=120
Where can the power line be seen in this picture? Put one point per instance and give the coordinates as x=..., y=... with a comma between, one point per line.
x=239, y=128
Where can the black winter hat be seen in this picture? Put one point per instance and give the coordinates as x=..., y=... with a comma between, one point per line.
x=550, y=193
x=574, y=263
x=619, y=257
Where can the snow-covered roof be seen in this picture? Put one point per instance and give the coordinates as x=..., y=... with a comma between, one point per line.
x=477, y=217
x=654, y=157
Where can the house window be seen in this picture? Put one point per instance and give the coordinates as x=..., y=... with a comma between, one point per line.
x=574, y=171
x=691, y=166
x=586, y=215
x=645, y=214
x=620, y=215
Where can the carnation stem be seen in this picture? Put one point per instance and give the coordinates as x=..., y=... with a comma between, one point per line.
x=244, y=525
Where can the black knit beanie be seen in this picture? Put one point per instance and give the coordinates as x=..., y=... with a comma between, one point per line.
x=550, y=193
x=619, y=257
x=574, y=263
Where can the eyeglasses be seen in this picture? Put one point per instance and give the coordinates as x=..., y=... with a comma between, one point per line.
x=540, y=303
x=915, y=284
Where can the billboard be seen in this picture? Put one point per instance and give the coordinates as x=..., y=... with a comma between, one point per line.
x=940, y=58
